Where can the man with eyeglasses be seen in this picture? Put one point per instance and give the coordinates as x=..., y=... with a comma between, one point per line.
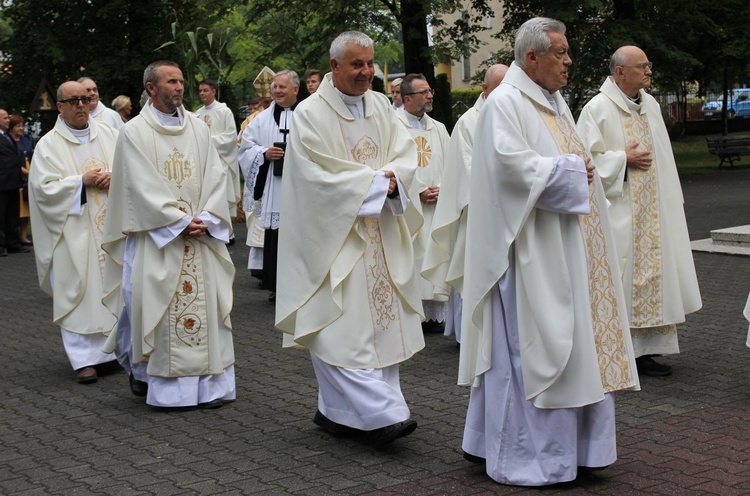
x=168, y=272
x=544, y=337
x=68, y=197
x=625, y=133
x=431, y=138
x=99, y=111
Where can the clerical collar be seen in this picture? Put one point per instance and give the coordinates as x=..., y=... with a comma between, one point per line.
x=278, y=109
x=82, y=135
x=355, y=103
x=551, y=99
x=174, y=119
x=211, y=105
x=634, y=103
x=416, y=122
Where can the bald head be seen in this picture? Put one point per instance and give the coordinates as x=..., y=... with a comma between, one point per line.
x=493, y=77
x=70, y=104
x=630, y=69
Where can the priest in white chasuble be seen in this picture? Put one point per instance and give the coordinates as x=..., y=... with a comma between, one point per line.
x=348, y=288
x=545, y=340
x=68, y=189
x=625, y=133
x=446, y=246
x=220, y=119
x=168, y=265
x=431, y=139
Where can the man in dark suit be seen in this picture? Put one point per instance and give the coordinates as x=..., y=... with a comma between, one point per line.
x=10, y=183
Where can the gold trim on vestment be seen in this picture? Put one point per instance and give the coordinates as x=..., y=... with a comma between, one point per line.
x=647, y=288
x=605, y=315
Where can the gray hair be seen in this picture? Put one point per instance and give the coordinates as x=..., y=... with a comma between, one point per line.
x=534, y=35
x=289, y=73
x=338, y=47
x=150, y=76
x=618, y=58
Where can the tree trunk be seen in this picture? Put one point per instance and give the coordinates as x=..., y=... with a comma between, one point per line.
x=416, y=46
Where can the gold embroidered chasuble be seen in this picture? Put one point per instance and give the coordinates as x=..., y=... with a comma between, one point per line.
x=646, y=209
x=574, y=341
x=70, y=261
x=182, y=292
x=611, y=332
x=431, y=151
x=348, y=287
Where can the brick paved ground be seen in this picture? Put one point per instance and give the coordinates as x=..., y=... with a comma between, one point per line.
x=683, y=435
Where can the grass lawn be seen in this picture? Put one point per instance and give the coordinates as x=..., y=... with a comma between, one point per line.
x=692, y=157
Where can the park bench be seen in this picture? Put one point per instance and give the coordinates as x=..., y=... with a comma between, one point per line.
x=728, y=148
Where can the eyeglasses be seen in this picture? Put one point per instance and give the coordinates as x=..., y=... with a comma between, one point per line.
x=74, y=100
x=423, y=92
x=642, y=66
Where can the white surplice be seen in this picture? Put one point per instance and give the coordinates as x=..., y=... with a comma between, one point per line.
x=647, y=214
x=220, y=119
x=166, y=172
x=431, y=138
x=544, y=331
x=68, y=234
x=259, y=136
x=350, y=293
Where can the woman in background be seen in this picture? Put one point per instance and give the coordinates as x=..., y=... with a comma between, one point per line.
x=25, y=149
x=123, y=106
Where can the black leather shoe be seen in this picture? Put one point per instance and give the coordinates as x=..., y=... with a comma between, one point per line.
x=138, y=388
x=388, y=434
x=3, y=251
x=272, y=297
x=474, y=459
x=213, y=404
x=650, y=367
x=333, y=428
x=20, y=249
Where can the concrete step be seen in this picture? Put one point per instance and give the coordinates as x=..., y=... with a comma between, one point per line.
x=732, y=240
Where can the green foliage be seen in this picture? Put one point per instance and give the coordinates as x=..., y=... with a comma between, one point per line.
x=463, y=100
x=442, y=103
x=203, y=56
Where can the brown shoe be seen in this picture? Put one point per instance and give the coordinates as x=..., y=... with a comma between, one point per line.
x=86, y=375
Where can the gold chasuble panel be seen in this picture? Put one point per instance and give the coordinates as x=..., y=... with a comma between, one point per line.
x=424, y=151
x=87, y=158
x=363, y=144
x=647, y=290
x=605, y=316
x=186, y=317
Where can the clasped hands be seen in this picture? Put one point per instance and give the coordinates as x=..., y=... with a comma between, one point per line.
x=97, y=179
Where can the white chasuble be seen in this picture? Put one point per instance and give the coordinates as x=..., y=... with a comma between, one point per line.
x=646, y=210
x=348, y=289
x=431, y=151
x=70, y=261
x=444, y=255
x=608, y=317
x=219, y=118
x=379, y=313
x=181, y=292
x=574, y=343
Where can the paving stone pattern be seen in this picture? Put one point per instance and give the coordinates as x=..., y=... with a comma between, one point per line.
x=682, y=435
